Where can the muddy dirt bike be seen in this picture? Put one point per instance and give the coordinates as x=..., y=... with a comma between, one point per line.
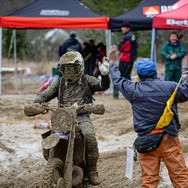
x=64, y=146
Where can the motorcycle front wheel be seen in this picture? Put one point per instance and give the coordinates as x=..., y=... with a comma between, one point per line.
x=53, y=172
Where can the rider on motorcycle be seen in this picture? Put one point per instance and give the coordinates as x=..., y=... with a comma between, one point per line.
x=75, y=87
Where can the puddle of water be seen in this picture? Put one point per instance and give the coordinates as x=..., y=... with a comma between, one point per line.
x=112, y=143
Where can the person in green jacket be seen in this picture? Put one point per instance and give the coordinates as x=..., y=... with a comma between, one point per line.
x=173, y=52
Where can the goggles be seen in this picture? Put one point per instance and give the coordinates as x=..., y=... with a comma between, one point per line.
x=70, y=69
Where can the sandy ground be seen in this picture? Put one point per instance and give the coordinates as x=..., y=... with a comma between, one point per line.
x=21, y=160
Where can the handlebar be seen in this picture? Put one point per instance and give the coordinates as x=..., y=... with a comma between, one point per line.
x=94, y=108
x=43, y=108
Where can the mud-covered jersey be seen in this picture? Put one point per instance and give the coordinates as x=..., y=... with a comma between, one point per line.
x=68, y=94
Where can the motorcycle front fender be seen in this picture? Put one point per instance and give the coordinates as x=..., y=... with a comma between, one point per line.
x=52, y=140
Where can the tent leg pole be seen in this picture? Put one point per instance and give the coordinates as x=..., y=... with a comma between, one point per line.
x=108, y=41
x=152, y=43
x=15, y=62
x=155, y=53
x=1, y=33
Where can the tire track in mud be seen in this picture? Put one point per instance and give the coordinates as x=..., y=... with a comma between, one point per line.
x=6, y=148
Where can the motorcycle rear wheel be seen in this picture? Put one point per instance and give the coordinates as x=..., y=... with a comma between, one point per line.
x=52, y=173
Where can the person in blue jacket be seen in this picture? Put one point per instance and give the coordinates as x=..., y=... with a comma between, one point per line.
x=69, y=45
x=148, y=98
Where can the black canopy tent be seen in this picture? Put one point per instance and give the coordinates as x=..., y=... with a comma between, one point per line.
x=141, y=16
x=43, y=14
x=54, y=14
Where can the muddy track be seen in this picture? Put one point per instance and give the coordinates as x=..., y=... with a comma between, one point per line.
x=21, y=160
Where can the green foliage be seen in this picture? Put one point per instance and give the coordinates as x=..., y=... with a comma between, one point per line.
x=144, y=50
x=21, y=43
x=110, y=7
x=144, y=43
x=8, y=43
x=7, y=35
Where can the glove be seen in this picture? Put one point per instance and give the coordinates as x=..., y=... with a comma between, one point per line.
x=95, y=109
x=35, y=109
x=104, y=66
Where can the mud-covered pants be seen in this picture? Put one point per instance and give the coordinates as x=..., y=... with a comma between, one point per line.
x=92, y=153
x=170, y=151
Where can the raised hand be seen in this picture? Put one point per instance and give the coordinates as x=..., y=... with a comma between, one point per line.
x=113, y=54
x=104, y=66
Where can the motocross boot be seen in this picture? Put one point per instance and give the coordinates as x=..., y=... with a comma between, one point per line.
x=92, y=171
x=92, y=156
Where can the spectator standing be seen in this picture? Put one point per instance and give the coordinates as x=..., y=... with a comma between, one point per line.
x=148, y=99
x=93, y=58
x=86, y=54
x=128, y=54
x=173, y=52
x=101, y=52
x=71, y=44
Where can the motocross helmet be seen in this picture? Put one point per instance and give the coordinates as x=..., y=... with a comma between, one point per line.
x=71, y=66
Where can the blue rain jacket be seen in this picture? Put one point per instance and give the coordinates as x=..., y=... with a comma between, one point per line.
x=148, y=99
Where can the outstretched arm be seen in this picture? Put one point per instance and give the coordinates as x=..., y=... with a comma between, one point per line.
x=113, y=55
x=124, y=85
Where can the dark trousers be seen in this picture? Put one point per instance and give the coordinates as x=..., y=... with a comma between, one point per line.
x=125, y=69
x=173, y=74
